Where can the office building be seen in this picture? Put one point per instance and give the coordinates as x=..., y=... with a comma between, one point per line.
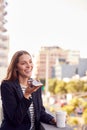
x=4, y=39
x=47, y=61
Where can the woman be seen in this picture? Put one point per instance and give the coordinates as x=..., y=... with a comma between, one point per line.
x=21, y=101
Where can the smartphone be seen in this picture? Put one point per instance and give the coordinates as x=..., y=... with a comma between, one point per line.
x=35, y=82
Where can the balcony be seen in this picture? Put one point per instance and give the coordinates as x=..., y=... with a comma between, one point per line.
x=52, y=127
x=43, y=125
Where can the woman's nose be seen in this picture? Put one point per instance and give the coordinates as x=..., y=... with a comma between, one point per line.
x=29, y=65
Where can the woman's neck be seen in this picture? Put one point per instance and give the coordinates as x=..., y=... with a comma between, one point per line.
x=23, y=81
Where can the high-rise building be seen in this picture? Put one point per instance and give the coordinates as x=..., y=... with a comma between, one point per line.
x=47, y=59
x=73, y=57
x=4, y=39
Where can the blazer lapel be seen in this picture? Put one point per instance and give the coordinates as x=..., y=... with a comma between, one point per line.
x=20, y=93
x=18, y=89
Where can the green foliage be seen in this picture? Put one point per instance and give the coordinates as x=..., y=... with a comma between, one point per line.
x=68, y=109
x=43, y=81
x=84, y=105
x=76, y=102
x=77, y=88
x=85, y=116
x=85, y=87
x=57, y=86
x=61, y=87
x=52, y=85
x=71, y=87
x=73, y=121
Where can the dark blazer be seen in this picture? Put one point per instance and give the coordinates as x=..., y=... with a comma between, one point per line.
x=15, y=108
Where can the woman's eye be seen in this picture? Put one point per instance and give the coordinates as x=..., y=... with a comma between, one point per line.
x=30, y=61
x=22, y=63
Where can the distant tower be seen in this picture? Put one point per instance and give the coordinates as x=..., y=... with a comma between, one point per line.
x=58, y=69
x=4, y=39
x=76, y=71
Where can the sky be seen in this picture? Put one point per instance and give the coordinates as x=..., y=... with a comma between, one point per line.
x=35, y=23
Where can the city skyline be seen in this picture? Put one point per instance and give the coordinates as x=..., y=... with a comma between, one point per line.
x=32, y=24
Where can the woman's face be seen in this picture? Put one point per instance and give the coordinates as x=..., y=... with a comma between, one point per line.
x=25, y=66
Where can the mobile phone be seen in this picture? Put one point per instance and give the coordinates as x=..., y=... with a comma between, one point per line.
x=35, y=82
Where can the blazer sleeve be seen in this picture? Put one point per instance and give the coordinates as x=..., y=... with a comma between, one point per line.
x=45, y=117
x=14, y=110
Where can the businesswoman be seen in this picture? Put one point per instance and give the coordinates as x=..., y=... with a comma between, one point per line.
x=21, y=101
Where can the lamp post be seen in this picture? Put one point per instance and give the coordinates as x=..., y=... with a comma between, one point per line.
x=47, y=71
x=47, y=76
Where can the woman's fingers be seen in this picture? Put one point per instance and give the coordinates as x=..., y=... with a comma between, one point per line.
x=30, y=90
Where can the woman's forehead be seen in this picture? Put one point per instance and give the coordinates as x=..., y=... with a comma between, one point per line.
x=24, y=57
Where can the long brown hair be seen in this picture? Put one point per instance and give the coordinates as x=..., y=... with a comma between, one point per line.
x=11, y=71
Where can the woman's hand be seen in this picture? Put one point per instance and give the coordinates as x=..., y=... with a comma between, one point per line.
x=53, y=121
x=29, y=90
